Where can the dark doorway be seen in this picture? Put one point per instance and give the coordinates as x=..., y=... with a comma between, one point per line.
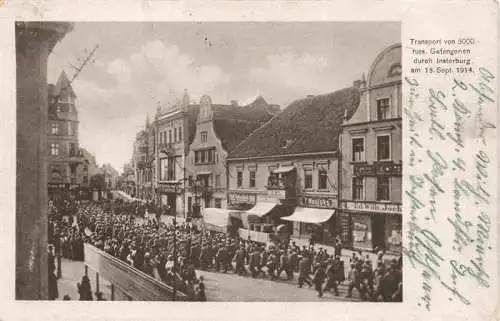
x=378, y=231
x=172, y=203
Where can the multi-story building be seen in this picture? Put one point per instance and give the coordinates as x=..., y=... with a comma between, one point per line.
x=140, y=153
x=286, y=171
x=150, y=166
x=84, y=172
x=174, y=131
x=371, y=144
x=64, y=152
x=219, y=130
x=128, y=175
x=110, y=176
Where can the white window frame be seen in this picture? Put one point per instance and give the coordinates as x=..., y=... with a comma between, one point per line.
x=55, y=126
x=364, y=148
x=390, y=148
x=389, y=111
x=204, y=133
x=363, y=194
x=54, y=146
x=250, y=178
x=238, y=184
x=312, y=178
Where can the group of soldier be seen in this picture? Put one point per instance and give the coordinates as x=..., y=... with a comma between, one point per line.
x=153, y=247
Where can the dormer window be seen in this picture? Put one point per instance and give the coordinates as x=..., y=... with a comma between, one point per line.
x=383, y=108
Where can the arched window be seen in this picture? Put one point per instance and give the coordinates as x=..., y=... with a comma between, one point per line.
x=395, y=70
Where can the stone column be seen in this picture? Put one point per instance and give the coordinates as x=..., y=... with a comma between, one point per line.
x=34, y=42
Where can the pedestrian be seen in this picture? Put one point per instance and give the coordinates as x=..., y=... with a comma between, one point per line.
x=319, y=279
x=200, y=295
x=304, y=270
x=352, y=280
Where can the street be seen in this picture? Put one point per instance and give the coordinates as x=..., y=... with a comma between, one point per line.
x=219, y=287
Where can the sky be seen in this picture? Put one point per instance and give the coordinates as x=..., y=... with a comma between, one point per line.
x=138, y=64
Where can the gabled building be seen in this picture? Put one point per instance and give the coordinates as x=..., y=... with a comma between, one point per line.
x=285, y=172
x=218, y=130
x=174, y=128
x=64, y=155
x=371, y=142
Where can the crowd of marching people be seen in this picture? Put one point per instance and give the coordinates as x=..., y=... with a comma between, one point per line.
x=153, y=246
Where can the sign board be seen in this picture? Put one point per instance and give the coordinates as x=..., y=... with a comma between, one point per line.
x=318, y=201
x=134, y=283
x=238, y=198
x=377, y=169
x=379, y=207
x=277, y=193
x=57, y=185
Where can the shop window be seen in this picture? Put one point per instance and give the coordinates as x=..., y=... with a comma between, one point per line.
x=383, y=147
x=204, y=136
x=54, y=149
x=239, y=178
x=357, y=188
x=383, y=188
x=383, y=108
x=252, y=179
x=308, y=178
x=54, y=130
x=218, y=203
x=322, y=179
x=358, y=149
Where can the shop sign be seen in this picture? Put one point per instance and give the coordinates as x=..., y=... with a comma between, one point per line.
x=392, y=208
x=239, y=198
x=277, y=193
x=377, y=169
x=267, y=199
x=168, y=189
x=57, y=185
x=318, y=201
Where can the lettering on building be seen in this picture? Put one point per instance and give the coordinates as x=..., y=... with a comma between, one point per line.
x=392, y=208
x=318, y=201
x=377, y=169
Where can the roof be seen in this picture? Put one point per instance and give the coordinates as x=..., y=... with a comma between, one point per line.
x=232, y=124
x=63, y=86
x=308, y=125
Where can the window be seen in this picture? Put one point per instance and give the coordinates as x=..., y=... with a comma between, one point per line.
x=196, y=157
x=180, y=134
x=204, y=136
x=86, y=168
x=322, y=179
x=72, y=149
x=383, y=188
x=85, y=179
x=383, y=108
x=357, y=188
x=175, y=135
x=205, y=156
x=209, y=156
x=252, y=179
x=383, y=147
x=70, y=130
x=358, y=149
x=217, y=181
x=218, y=203
x=58, y=108
x=308, y=178
x=203, y=159
x=54, y=149
x=170, y=136
x=171, y=169
x=54, y=130
x=239, y=179
x=274, y=181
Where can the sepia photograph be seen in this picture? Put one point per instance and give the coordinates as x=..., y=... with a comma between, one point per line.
x=209, y=161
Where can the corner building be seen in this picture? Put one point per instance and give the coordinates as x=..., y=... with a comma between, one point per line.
x=370, y=206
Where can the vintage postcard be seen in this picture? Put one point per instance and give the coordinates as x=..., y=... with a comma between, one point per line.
x=254, y=160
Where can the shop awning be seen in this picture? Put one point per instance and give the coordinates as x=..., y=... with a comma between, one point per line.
x=310, y=215
x=217, y=218
x=284, y=169
x=260, y=209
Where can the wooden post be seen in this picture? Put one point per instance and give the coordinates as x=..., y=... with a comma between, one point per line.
x=112, y=292
x=97, y=282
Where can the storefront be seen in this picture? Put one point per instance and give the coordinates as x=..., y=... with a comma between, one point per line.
x=170, y=198
x=374, y=225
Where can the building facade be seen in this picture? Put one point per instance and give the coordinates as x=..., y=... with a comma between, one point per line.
x=139, y=156
x=219, y=129
x=64, y=155
x=285, y=172
x=371, y=144
x=173, y=132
